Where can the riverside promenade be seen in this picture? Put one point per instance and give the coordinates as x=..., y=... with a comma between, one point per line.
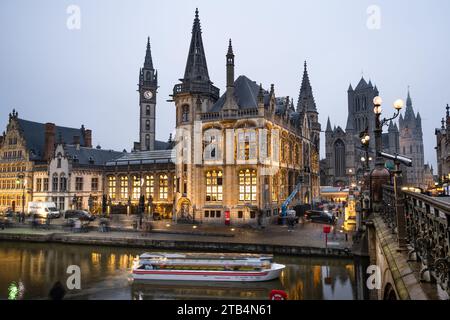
x=307, y=239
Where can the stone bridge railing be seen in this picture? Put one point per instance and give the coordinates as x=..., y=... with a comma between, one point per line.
x=427, y=233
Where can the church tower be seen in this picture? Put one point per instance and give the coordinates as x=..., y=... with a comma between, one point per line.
x=194, y=96
x=306, y=104
x=411, y=144
x=148, y=85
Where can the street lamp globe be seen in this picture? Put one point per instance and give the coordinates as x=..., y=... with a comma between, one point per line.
x=367, y=137
x=377, y=101
x=363, y=159
x=398, y=104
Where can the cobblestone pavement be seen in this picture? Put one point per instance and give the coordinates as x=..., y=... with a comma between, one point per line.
x=304, y=234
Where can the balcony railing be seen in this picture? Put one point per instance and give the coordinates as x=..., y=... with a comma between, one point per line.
x=428, y=232
x=197, y=87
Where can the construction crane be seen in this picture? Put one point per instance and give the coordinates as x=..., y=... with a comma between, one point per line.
x=286, y=203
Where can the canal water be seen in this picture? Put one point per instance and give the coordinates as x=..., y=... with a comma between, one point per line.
x=29, y=270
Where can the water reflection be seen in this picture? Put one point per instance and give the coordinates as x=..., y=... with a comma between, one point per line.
x=28, y=271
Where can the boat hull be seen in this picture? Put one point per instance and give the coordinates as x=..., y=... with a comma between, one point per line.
x=199, y=275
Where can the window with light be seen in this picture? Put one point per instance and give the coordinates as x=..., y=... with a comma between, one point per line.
x=124, y=187
x=163, y=187
x=136, y=188
x=247, y=185
x=112, y=187
x=149, y=186
x=214, y=186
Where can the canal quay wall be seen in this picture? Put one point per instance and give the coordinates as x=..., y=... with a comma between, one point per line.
x=162, y=241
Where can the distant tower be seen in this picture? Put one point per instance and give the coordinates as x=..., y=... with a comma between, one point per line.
x=148, y=85
x=411, y=144
x=307, y=105
x=360, y=109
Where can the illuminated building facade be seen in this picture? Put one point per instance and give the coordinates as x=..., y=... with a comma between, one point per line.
x=26, y=149
x=240, y=155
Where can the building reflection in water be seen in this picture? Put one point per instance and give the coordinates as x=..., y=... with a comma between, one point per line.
x=105, y=275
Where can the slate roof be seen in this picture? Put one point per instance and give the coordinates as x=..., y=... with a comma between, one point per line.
x=245, y=94
x=91, y=156
x=34, y=133
x=145, y=157
x=161, y=145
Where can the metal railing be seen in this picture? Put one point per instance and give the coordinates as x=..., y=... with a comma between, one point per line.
x=428, y=233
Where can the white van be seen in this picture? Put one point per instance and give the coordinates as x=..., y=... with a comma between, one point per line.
x=43, y=209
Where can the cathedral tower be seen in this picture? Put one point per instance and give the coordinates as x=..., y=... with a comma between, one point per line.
x=411, y=144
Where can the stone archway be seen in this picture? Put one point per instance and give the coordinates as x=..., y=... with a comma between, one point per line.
x=389, y=293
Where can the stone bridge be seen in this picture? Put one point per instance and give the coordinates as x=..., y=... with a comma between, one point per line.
x=412, y=250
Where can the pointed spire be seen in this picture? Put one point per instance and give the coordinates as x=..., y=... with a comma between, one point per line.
x=306, y=101
x=408, y=99
x=350, y=88
x=328, y=125
x=260, y=94
x=230, y=66
x=230, y=48
x=196, y=67
x=409, y=112
x=148, y=64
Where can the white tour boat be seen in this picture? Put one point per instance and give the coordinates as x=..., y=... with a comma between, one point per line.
x=205, y=267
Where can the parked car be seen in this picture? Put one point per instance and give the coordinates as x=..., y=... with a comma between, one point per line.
x=79, y=214
x=320, y=216
x=43, y=210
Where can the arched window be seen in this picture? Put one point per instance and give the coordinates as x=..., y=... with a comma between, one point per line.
x=185, y=113
x=147, y=125
x=55, y=182
x=124, y=187
x=63, y=183
x=339, y=158
x=212, y=145
x=214, y=186
x=148, y=76
x=247, y=146
x=147, y=110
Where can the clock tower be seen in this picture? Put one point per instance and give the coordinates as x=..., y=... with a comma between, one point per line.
x=148, y=85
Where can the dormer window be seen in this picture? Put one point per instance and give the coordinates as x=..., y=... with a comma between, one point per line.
x=58, y=163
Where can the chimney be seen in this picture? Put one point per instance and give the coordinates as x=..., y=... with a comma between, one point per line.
x=76, y=141
x=88, y=138
x=49, y=140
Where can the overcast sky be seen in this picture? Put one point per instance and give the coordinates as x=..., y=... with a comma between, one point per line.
x=89, y=76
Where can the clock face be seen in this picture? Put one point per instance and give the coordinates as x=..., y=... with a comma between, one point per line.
x=148, y=95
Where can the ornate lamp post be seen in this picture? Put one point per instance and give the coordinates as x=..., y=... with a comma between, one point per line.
x=380, y=175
